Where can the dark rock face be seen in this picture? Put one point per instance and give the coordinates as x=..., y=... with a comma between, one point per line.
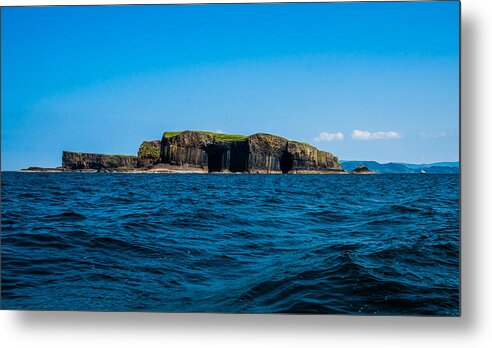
x=213, y=152
x=258, y=153
x=186, y=149
x=239, y=157
x=202, y=150
x=271, y=154
x=81, y=161
x=362, y=169
x=265, y=153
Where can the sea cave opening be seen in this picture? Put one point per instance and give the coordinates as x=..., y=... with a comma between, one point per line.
x=286, y=162
x=215, y=159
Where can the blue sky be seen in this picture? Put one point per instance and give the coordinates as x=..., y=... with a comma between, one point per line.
x=368, y=81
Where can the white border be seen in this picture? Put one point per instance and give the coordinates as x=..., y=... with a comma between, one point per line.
x=473, y=329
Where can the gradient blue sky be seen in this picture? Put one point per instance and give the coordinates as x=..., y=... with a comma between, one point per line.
x=102, y=79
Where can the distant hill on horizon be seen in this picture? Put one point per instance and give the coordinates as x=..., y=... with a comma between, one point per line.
x=400, y=168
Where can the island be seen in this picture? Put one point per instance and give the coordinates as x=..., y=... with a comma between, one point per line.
x=362, y=169
x=209, y=152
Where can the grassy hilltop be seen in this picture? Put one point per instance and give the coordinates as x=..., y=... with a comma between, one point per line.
x=219, y=136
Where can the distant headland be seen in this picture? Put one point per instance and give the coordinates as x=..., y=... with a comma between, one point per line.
x=208, y=152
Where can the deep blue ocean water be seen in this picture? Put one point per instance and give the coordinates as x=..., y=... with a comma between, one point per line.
x=354, y=244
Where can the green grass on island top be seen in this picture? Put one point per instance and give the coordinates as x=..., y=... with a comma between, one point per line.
x=219, y=136
x=229, y=137
x=148, y=151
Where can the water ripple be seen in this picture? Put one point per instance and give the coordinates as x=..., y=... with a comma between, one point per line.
x=384, y=244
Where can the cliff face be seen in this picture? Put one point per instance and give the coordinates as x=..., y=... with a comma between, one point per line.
x=272, y=154
x=213, y=152
x=186, y=149
x=78, y=161
x=209, y=151
x=258, y=153
x=266, y=153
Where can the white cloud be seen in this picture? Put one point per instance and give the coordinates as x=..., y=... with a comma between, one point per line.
x=219, y=131
x=325, y=136
x=433, y=135
x=366, y=135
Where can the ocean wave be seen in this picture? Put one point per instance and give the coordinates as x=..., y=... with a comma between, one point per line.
x=65, y=216
x=231, y=243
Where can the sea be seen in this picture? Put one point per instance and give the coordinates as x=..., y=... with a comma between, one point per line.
x=384, y=244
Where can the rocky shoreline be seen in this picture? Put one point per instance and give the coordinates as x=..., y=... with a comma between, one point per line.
x=159, y=170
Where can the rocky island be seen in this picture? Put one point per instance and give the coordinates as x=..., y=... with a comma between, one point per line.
x=362, y=169
x=208, y=152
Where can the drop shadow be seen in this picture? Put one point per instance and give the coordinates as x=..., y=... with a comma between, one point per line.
x=470, y=189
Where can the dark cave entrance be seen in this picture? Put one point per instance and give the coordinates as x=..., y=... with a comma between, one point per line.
x=286, y=162
x=215, y=159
